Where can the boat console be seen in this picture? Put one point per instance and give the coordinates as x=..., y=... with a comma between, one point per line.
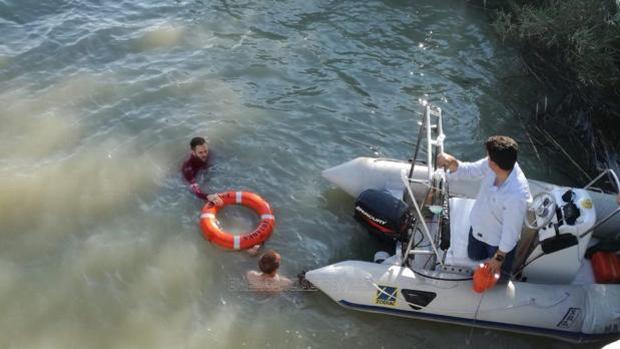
x=561, y=217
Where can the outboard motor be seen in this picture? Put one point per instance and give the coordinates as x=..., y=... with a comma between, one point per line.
x=382, y=214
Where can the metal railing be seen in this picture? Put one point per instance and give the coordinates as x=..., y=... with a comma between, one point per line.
x=433, y=147
x=438, y=141
x=611, y=173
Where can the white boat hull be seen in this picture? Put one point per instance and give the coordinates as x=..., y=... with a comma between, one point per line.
x=568, y=312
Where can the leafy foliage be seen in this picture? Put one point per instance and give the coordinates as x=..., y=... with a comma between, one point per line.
x=581, y=38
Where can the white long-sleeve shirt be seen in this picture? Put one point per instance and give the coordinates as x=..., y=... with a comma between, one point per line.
x=497, y=216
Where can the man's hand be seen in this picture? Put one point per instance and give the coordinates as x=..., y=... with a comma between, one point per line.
x=215, y=199
x=495, y=266
x=495, y=263
x=447, y=160
x=253, y=251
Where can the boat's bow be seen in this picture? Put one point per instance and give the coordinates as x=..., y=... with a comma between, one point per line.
x=363, y=173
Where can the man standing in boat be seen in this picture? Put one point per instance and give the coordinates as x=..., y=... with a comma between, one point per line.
x=501, y=204
x=198, y=160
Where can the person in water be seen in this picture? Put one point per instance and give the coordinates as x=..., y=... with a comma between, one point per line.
x=501, y=204
x=268, y=279
x=198, y=160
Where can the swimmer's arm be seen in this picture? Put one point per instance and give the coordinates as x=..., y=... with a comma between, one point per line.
x=285, y=282
x=253, y=251
x=190, y=176
x=195, y=188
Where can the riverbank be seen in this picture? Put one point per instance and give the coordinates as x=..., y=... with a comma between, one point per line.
x=573, y=49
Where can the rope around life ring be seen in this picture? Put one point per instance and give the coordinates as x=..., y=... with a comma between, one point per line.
x=212, y=232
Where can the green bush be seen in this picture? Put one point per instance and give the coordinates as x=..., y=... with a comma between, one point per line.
x=578, y=39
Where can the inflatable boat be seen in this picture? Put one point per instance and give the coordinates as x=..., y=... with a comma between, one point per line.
x=553, y=290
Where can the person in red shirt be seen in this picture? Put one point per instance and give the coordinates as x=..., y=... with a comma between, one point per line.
x=198, y=160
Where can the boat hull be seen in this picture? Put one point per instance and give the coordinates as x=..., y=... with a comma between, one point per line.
x=569, y=312
x=572, y=312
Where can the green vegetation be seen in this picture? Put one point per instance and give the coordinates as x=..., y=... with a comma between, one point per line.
x=573, y=48
x=578, y=39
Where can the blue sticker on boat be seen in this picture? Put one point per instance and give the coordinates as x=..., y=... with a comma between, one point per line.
x=386, y=295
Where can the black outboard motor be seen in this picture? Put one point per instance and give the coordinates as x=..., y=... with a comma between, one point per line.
x=382, y=214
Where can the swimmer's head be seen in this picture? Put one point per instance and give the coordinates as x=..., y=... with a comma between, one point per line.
x=199, y=148
x=269, y=262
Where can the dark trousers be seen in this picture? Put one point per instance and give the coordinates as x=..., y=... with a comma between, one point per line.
x=478, y=250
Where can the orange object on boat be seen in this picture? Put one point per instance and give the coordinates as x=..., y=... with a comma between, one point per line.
x=212, y=232
x=606, y=267
x=484, y=279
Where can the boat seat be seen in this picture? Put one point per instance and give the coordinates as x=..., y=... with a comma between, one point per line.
x=459, y=233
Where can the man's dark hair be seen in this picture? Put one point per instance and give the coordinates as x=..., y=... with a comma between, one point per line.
x=269, y=262
x=502, y=151
x=196, y=141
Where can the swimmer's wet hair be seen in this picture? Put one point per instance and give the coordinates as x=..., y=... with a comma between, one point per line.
x=269, y=262
x=196, y=141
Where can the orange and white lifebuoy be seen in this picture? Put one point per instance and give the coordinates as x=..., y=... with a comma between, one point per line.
x=212, y=232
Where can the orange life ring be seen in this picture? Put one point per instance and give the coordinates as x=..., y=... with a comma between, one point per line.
x=212, y=232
